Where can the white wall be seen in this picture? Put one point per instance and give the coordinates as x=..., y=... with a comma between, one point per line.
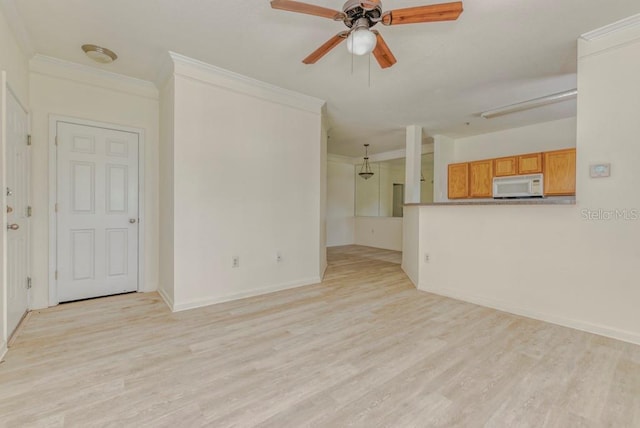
x=443, y=155
x=340, y=202
x=62, y=88
x=14, y=62
x=166, y=192
x=247, y=183
x=411, y=242
x=379, y=232
x=324, y=139
x=555, y=262
x=541, y=137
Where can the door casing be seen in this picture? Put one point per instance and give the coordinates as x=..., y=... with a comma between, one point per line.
x=53, y=197
x=13, y=94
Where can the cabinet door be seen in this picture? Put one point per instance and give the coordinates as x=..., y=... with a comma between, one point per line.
x=458, y=180
x=530, y=164
x=505, y=166
x=481, y=179
x=560, y=172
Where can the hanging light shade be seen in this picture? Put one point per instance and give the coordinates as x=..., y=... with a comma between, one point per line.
x=361, y=40
x=365, y=171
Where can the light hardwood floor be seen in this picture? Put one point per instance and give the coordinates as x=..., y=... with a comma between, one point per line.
x=364, y=348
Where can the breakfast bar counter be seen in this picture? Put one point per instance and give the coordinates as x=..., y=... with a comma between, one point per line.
x=545, y=201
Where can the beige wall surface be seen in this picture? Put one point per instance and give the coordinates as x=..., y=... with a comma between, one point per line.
x=247, y=184
x=340, y=203
x=166, y=192
x=379, y=232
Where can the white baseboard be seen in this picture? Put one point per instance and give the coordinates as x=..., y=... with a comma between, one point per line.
x=624, y=335
x=212, y=300
x=167, y=300
x=3, y=349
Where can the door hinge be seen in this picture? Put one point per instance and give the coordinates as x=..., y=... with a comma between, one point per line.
x=56, y=275
x=28, y=140
x=29, y=211
x=28, y=283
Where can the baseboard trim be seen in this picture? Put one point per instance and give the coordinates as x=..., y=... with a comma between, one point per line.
x=167, y=300
x=198, y=303
x=3, y=350
x=613, y=333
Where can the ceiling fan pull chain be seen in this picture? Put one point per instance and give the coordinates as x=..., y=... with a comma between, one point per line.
x=352, y=63
x=369, y=70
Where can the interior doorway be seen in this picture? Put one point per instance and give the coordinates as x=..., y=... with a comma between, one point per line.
x=97, y=210
x=17, y=208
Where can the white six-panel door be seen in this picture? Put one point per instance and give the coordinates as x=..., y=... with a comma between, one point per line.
x=97, y=211
x=17, y=211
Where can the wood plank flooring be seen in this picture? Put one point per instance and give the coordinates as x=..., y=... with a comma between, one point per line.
x=364, y=349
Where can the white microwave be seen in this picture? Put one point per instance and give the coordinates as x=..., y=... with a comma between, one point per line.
x=518, y=186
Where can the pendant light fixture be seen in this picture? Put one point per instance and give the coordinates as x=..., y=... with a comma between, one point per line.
x=365, y=171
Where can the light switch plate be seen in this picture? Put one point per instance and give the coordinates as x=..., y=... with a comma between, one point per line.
x=600, y=170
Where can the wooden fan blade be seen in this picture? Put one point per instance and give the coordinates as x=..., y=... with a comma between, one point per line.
x=431, y=13
x=383, y=53
x=309, y=9
x=326, y=47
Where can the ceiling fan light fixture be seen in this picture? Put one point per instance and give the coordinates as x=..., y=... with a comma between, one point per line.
x=99, y=54
x=361, y=41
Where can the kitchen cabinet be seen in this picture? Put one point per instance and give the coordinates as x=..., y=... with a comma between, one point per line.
x=505, y=166
x=530, y=164
x=481, y=179
x=458, y=184
x=560, y=172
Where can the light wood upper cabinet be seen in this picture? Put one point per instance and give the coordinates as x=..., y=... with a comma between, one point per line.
x=560, y=172
x=530, y=164
x=503, y=167
x=458, y=180
x=481, y=179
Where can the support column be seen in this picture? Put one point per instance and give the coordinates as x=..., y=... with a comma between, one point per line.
x=413, y=164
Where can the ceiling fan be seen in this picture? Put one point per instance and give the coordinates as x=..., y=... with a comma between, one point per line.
x=360, y=15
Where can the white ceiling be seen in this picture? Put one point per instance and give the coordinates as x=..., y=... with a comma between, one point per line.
x=499, y=52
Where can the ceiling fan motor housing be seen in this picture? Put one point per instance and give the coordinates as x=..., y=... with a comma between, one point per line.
x=355, y=10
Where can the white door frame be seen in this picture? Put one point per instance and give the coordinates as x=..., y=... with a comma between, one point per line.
x=53, y=197
x=5, y=89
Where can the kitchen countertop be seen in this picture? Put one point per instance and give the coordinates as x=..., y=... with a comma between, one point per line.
x=545, y=201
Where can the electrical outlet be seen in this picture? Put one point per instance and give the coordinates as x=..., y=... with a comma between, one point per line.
x=236, y=262
x=426, y=258
x=278, y=257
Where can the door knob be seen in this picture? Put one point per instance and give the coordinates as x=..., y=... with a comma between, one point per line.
x=13, y=226
x=132, y=220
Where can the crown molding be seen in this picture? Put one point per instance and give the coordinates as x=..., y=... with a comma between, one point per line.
x=613, y=36
x=68, y=70
x=613, y=28
x=16, y=24
x=216, y=76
